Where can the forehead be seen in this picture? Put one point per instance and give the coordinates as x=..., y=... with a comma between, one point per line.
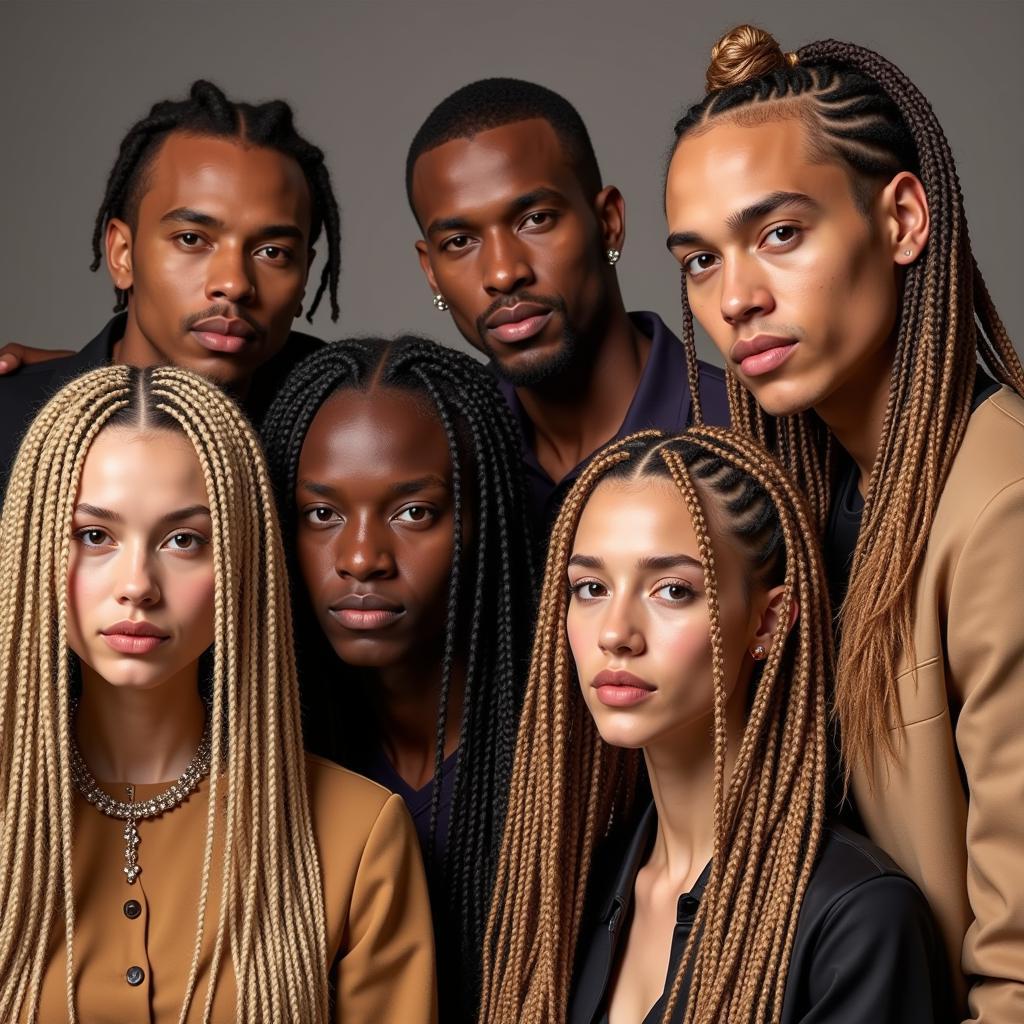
x=148, y=472
x=384, y=434
x=730, y=166
x=494, y=165
x=225, y=179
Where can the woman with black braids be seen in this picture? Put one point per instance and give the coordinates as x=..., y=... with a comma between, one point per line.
x=398, y=474
x=813, y=203
x=208, y=225
x=682, y=654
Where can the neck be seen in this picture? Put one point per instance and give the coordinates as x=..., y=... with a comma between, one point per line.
x=681, y=768
x=139, y=736
x=583, y=409
x=407, y=700
x=856, y=412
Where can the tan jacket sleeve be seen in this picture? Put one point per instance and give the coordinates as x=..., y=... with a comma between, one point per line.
x=386, y=973
x=986, y=659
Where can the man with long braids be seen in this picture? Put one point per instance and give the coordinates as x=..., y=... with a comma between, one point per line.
x=520, y=243
x=813, y=203
x=396, y=464
x=207, y=226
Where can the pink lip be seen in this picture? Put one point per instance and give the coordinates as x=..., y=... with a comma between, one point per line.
x=220, y=334
x=123, y=643
x=762, y=353
x=366, y=618
x=621, y=689
x=520, y=322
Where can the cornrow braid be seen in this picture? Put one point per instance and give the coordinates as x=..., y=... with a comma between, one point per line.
x=490, y=580
x=862, y=111
x=208, y=112
x=271, y=897
x=768, y=822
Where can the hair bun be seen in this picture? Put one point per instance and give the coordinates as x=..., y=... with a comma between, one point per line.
x=745, y=52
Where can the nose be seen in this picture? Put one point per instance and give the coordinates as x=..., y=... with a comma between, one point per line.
x=745, y=293
x=620, y=632
x=138, y=586
x=506, y=266
x=364, y=551
x=229, y=277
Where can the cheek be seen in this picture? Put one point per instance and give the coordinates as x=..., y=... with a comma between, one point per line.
x=89, y=587
x=195, y=593
x=316, y=561
x=581, y=630
x=426, y=564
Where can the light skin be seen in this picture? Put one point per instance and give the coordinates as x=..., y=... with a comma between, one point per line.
x=141, y=556
x=777, y=252
x=508, y=227
x=218, y=256
x=375, y=504
x=638, y=606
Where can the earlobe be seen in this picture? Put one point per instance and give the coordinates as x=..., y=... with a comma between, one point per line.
x=909, y=217
x=119, y=253
x=611, y=212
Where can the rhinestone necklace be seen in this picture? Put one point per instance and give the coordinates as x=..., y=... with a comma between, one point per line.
x=130, y=812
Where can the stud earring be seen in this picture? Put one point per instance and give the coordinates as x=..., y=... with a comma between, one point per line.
x=439, y=304
x=908, y=252
x=759, y=653
x=613, y=256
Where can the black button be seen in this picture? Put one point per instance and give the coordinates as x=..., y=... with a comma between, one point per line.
x=132, y=909
x=135, y=975
x=686, y=908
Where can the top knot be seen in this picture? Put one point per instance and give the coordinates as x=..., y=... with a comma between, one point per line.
x=743, y=53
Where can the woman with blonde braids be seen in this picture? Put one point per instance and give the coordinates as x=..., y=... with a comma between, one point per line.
x=813, y=204
x=145, y=636
x=684, y=615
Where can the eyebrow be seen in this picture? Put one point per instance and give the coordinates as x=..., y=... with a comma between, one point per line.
x=399, y=489
x=96, y=512
x=657, y=562
x=186, y=215
x=755, y=211
x=517, y=205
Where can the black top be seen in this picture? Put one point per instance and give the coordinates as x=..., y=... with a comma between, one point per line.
x=662, y=400
x=866, y=947
x=25, y=392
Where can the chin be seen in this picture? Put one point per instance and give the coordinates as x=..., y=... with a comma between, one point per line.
x=618, y=731
x=782, y=397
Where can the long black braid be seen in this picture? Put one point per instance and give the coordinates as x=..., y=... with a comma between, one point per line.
x=489, y=621
x=207, y=111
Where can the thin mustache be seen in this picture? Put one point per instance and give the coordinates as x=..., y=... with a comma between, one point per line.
x=220, y=309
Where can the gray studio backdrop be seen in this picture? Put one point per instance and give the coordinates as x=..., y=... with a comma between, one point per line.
x=363, y=75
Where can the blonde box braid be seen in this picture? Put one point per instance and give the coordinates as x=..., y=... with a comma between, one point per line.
x=569, y=788
x=862, y=110
x=271, y=898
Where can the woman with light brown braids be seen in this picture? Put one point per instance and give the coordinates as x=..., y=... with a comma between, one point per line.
x=145, y=636
x=684, y=615
x=813, y=203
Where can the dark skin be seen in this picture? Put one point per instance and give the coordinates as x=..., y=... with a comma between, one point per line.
x=508, y=228
x=375, y=540
x=216, y=262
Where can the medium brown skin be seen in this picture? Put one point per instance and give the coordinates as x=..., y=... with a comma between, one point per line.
x=246, y=255
x=505, y=219
x=821, y=273
x=376, y=516
x=653, y=622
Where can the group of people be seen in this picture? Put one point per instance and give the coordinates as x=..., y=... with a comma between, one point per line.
x=593, y=684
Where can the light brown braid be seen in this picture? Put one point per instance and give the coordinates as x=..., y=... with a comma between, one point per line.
x=271, y=898
x=569, y=788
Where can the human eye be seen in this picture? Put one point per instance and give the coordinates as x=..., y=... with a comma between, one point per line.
x=674, y=591
x=277, y=254
x=185, y=542
x=539, y=219
x=416, y=515
x=189, y=239
x=782, y=236
x=588, y=590
x=698, y=265
x=457, y=243
x=320, y=515
x=93, y=537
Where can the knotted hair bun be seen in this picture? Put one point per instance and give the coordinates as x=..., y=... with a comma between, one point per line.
x=745, y=52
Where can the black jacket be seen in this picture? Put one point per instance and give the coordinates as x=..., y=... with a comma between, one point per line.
x=25, y=392
x=866, y=948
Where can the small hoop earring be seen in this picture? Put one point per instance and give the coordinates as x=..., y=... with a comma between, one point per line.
x=613, y=256
x=759, y=653
x=439, y=304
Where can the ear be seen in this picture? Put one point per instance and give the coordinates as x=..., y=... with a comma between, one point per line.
x=908, y=222
x=119, y=253
x=610, y=208
x=773, y=609
x=428, y=270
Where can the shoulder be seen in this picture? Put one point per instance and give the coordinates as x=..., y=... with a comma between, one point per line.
x=714, y=398
x=336, y=792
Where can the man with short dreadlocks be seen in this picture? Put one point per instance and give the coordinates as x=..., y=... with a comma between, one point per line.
x=829, y=259
x=207, y=226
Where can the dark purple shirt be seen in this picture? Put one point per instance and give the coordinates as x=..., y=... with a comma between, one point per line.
x=662, y=400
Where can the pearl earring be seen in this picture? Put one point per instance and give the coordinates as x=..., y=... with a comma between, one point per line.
x=439, y=304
